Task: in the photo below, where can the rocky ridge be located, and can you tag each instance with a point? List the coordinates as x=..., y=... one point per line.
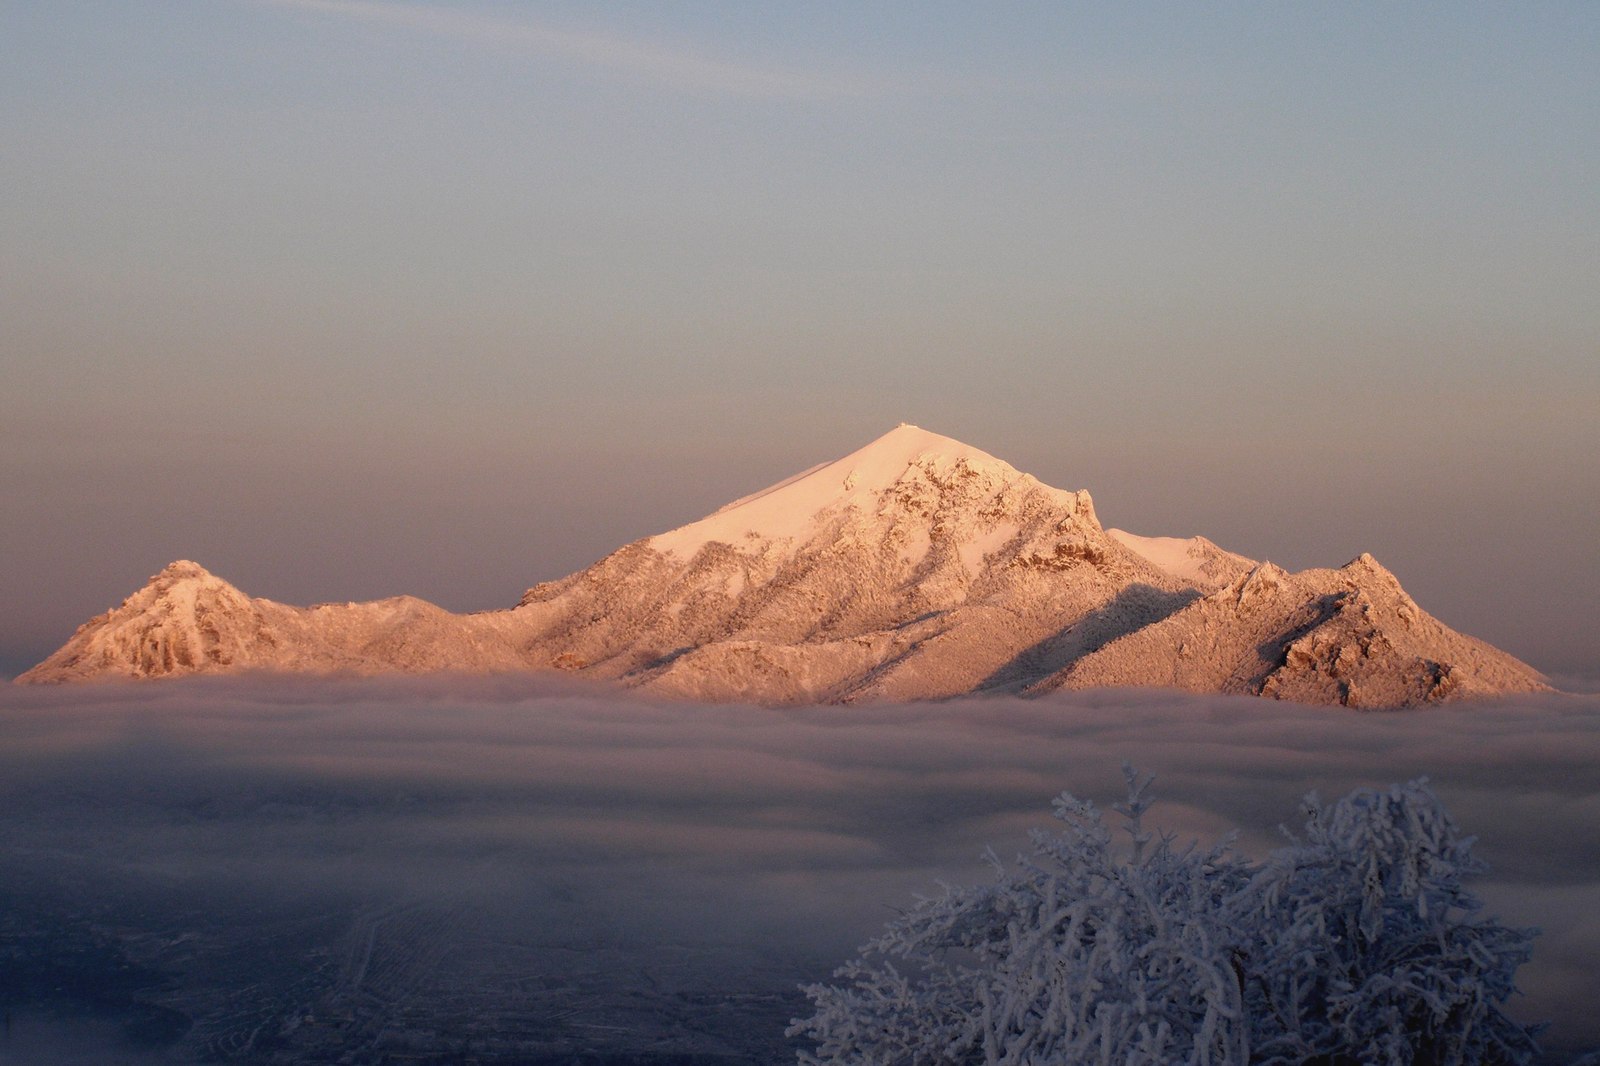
x=915, y=568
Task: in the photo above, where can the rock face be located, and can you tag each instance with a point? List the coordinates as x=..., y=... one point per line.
x=1349, y=636
x=915, y=568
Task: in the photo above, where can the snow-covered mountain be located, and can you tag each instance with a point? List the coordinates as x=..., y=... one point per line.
x=915, y=568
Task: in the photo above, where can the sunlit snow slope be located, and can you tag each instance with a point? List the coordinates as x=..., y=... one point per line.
x=917, y=567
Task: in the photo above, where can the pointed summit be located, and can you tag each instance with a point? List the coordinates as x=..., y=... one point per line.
x=180, y=572
x=906, y=443
x=793, y=508
x=182, y=568
x=180, y=622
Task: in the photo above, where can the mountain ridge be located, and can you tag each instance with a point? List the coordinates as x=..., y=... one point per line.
x=916, y=567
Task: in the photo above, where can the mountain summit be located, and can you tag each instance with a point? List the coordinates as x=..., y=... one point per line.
x=792, y=506
x=917, y=567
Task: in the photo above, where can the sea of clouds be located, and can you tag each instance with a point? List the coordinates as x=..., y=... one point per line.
x=706, y=848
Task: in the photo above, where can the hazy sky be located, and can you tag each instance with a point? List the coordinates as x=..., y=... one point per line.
x=346, y=298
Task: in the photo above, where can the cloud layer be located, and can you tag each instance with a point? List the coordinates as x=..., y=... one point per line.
x=674, y=851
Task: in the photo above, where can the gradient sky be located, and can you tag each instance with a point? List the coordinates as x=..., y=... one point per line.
x=344, y=299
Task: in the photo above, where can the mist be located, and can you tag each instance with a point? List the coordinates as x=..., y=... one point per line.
x=289, y=870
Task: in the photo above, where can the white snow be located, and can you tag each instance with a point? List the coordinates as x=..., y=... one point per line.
x=1182, y=557
x=974, y=551
x=791, y=508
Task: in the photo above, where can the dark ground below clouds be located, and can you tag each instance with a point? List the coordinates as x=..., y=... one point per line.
x=497, y=872
x=374, y=983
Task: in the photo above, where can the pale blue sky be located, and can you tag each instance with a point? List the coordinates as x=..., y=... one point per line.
x=347, y=298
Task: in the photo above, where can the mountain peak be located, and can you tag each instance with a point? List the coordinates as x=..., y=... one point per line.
x=186, y=579
x=181, y=570
x=905, y=445
x=1367, y=564
x=790, y=508
x=907, y=436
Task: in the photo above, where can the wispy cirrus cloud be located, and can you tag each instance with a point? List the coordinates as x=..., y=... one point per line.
x=672, y=66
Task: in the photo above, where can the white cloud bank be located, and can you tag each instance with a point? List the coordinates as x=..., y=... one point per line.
x=727, y=848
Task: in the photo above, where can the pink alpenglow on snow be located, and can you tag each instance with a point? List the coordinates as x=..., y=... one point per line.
x=915, y=568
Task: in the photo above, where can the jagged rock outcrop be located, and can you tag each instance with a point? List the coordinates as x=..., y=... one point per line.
x=1349, y=636
x=915, y=568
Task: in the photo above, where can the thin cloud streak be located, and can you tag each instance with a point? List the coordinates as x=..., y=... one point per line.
x=669, y=67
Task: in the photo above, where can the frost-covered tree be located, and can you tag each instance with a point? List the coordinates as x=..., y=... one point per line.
x=1366, y=948
x=1356, y=944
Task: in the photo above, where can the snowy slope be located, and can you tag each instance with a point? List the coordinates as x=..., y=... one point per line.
x=916, y=567
x=796, y=508
x=1350, y=636
x=1192, y=559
